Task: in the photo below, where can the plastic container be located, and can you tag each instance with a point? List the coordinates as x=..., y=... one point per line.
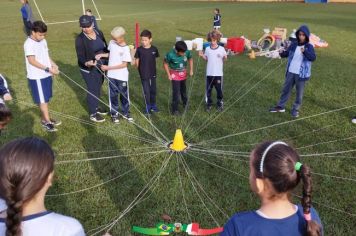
x=189, y=44
x=237, y=45
x=198, y=44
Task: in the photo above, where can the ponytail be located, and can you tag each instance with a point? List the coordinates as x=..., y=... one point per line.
x=313, y=228
x=14, y=218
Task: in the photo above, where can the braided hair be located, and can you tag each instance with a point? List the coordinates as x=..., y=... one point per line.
x=25, y=165
x=279, y=163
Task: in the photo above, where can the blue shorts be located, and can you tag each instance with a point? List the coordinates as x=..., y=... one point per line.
x=41, y=90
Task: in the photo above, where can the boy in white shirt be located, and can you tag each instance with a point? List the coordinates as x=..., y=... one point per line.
x=40, y=69
x=215, y=56
x=118, y=74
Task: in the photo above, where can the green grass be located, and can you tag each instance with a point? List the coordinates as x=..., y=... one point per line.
x=332, y=86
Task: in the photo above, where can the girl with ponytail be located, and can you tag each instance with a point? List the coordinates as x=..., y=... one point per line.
x=26, y=173
x=275, y=171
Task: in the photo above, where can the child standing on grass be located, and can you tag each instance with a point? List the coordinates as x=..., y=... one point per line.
x=40, y=69
x=275, y=171
x=300, y=57
x=215, y=55
x=118, y=74
x=145, y=57
x=88, y=12
x=26, y=174
x=175, y=64
x=5, y=113
x=217, y=19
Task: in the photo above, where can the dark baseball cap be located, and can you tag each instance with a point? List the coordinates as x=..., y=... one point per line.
x=85, y=21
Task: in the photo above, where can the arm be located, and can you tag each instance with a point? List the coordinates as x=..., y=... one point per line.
x=309, y=53
x=191, y=73
x=166, y=68
x=80, y=49
x=101, y=55
x=137, y=62
x=32, y=60
x=202, y=55
x=29, y=12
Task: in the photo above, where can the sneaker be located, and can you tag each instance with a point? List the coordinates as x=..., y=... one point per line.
x=354, y=120
x=115, y=119
x=97, y=118
x=48, y=126
x=220, y=108
x=154, y=108
x=295, y=114
x=128, y=118
x=277, y=109
x=56, y=122
x=208, y=108
x=101, y=111
x=147, y=112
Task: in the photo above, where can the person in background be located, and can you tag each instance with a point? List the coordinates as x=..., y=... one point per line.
x=217, y=19
x=175, y=64
x=300, y=56
x=88, y=12
x=275, y=173
x=40, y=70
x=27, y=16
x=89, y=43
x=215, y=55
x=118, y=74
x=26, y=174
x=145, y=60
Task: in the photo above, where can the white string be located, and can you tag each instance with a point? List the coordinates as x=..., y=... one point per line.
x=211, y=163
x=333, y=176
x=137, y=199
x=107, y=157
x=133, y=105
x=196, y=191
x=218, y=152
x=91, y=124
x=327, y=153
x=327, y=206
x=143, y=129
x=103, y=183
x=209, y=121
x=262, y=68
x=190, y=93
x=224, y=157
x=202, y=189
x=275, y=125
x=332, y=141
x=181, y=186
x=101, y=151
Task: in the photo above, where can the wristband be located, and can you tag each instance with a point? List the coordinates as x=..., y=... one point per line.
x=47, y=69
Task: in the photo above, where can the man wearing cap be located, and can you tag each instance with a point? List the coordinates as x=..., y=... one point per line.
x=88, y=44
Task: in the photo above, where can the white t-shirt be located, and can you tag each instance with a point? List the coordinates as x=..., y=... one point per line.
x=3, y=206
x=215, y=61
x=40, y=51
x=296, y=62
x=118, y=55
x=48, y=224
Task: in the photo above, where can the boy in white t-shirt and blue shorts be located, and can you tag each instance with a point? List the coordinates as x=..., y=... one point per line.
x=215, y=56
x=40, y=69
x=118, y=75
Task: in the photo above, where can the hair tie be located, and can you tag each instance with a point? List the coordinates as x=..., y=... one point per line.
x=267, y=150
x=307, y=217
x=298, y=166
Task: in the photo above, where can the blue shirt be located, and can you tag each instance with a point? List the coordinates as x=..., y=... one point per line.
x=250, y=223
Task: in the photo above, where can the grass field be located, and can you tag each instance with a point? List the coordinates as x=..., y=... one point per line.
x=108, y=186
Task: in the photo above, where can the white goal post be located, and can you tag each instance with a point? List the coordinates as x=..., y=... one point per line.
x=69, y=21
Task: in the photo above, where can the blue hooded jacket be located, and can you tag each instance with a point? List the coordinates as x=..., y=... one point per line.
x=309, y=54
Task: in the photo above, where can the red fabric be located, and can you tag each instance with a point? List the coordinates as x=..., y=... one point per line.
x=178, y=75
x=236, y=44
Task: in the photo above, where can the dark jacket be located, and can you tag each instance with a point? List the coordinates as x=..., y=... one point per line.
x=309, y=54
x=84, y=51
